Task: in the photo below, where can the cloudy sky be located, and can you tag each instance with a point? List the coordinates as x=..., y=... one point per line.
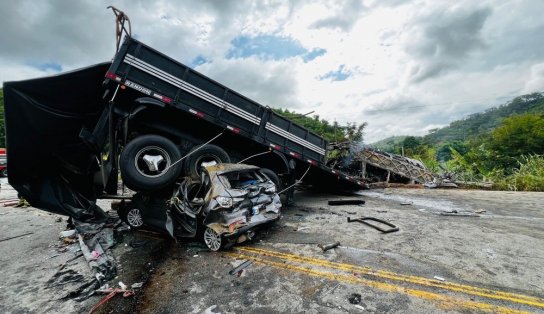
x=402, y=66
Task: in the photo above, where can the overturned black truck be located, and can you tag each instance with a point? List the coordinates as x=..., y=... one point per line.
x=153, y=122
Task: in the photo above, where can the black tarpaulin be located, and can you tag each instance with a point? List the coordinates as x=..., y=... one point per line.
x=49, y=165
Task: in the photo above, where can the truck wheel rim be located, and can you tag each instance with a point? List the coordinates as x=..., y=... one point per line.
x=204, y=159
x=134, y=218
x=212, y=239
x=154, y=151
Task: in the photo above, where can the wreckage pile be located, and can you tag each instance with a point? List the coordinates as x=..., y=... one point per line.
x=373, y=165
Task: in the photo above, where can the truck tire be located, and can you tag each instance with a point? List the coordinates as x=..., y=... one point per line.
x=273, y=177
x=208, y=153
x=146, y=163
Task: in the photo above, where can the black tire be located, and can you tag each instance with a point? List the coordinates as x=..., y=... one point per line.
x=138, y=175
x=208, y=153
x=4, y=172
x=273, y=177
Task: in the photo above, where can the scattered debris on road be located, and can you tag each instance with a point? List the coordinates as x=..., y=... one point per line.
x=111, y=293
x=458, y=214
x=346, y=202
x=237, y=271
x=357, y=306
x=439, y=278
x=354, y=298
x=68, y=234
x=364, y=220
x=326, y=247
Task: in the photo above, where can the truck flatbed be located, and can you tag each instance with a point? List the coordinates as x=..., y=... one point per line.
x=154, y=74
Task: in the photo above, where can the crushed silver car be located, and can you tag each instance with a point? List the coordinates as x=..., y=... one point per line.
x=225, y=206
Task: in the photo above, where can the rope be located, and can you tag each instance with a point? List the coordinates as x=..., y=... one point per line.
x=259, y=154
x=298, y=181
x=120, y=19
x=194, y=151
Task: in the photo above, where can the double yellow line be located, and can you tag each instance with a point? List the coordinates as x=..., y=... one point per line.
x=307, y=266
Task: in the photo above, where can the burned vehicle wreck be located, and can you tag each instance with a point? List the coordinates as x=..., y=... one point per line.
x=223, y=207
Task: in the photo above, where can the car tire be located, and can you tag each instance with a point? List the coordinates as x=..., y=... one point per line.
x=146, y=163
x=273, y=177
x=208, y=153
x=213, y=240
x=4, y=172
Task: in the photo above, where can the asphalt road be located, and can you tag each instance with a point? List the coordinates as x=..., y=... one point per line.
x=456, y=251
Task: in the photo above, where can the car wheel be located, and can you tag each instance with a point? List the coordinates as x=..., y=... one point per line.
x=207, y=155
x=4, y=172
x=212, y=239
x=147, y=163
x=273, y=177
x=133, y=217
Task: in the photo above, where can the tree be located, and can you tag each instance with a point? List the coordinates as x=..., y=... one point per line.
x=411, y=145
x=334, y=132
x=516, y=136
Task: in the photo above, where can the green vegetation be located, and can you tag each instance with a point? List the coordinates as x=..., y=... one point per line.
x=504, y=145
x=331, y=132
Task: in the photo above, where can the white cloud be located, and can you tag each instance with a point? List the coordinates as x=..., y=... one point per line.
x=536, y=81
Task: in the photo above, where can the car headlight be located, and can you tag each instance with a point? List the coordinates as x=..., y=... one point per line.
x=225, y=202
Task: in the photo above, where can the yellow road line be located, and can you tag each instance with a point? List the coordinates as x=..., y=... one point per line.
x=445, y=302
x=477, y=291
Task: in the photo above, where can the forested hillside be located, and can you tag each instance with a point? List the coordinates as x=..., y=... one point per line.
x=480, y=123
x=503, y=144
x=474, y=125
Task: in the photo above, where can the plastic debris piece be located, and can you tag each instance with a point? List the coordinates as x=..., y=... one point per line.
x=357, y=306
x=210, y=310
x=68, y=234
x=122, y=285
x=137, y=285
x=439, y=278
x=354, y=298
x=238, y=269
x=95, y=255
x=326, y=247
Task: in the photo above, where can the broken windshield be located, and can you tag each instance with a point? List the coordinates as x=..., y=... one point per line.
x=238, y=180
